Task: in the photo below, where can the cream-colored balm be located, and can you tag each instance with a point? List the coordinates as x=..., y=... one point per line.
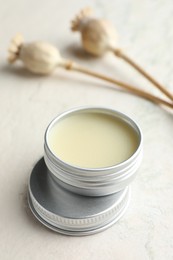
x=92, y=140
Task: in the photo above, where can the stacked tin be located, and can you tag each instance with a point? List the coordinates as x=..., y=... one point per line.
x=82, y=201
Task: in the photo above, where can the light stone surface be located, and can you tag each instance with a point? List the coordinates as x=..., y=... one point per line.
x=28, y=103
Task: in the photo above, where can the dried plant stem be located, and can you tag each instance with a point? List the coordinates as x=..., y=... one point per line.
x=120, y=54
x=75, y=67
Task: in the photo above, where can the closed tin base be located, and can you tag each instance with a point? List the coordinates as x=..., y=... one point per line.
x=69, y=213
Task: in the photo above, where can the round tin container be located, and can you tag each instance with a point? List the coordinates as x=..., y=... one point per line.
x=96, y=181
x=69, y=213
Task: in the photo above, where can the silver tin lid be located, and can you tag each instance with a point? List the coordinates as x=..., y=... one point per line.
x=69, y=213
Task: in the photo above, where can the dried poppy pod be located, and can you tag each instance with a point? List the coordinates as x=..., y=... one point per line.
x=43, y=58
x=38, y=57
x=98, y=37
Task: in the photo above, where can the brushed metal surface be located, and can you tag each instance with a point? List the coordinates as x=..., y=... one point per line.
x=70, y=213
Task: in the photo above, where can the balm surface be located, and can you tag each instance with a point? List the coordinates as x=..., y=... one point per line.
x=92, y=140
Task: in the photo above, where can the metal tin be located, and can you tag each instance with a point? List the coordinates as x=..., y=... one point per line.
x=88, y=181
x=69, y=213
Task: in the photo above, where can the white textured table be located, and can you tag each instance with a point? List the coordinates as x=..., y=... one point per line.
x=28, y=103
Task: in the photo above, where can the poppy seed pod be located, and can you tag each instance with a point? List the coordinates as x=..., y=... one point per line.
x=38, y=57
x=98, y=35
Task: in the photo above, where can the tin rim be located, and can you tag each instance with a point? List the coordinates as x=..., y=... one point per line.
x=104, y=110
x=77, y=233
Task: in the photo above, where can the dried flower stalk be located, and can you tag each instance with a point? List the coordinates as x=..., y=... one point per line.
x=98, y=37
x=43, y=58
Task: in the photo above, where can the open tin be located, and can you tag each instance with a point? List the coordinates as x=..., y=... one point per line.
x=94, y=181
